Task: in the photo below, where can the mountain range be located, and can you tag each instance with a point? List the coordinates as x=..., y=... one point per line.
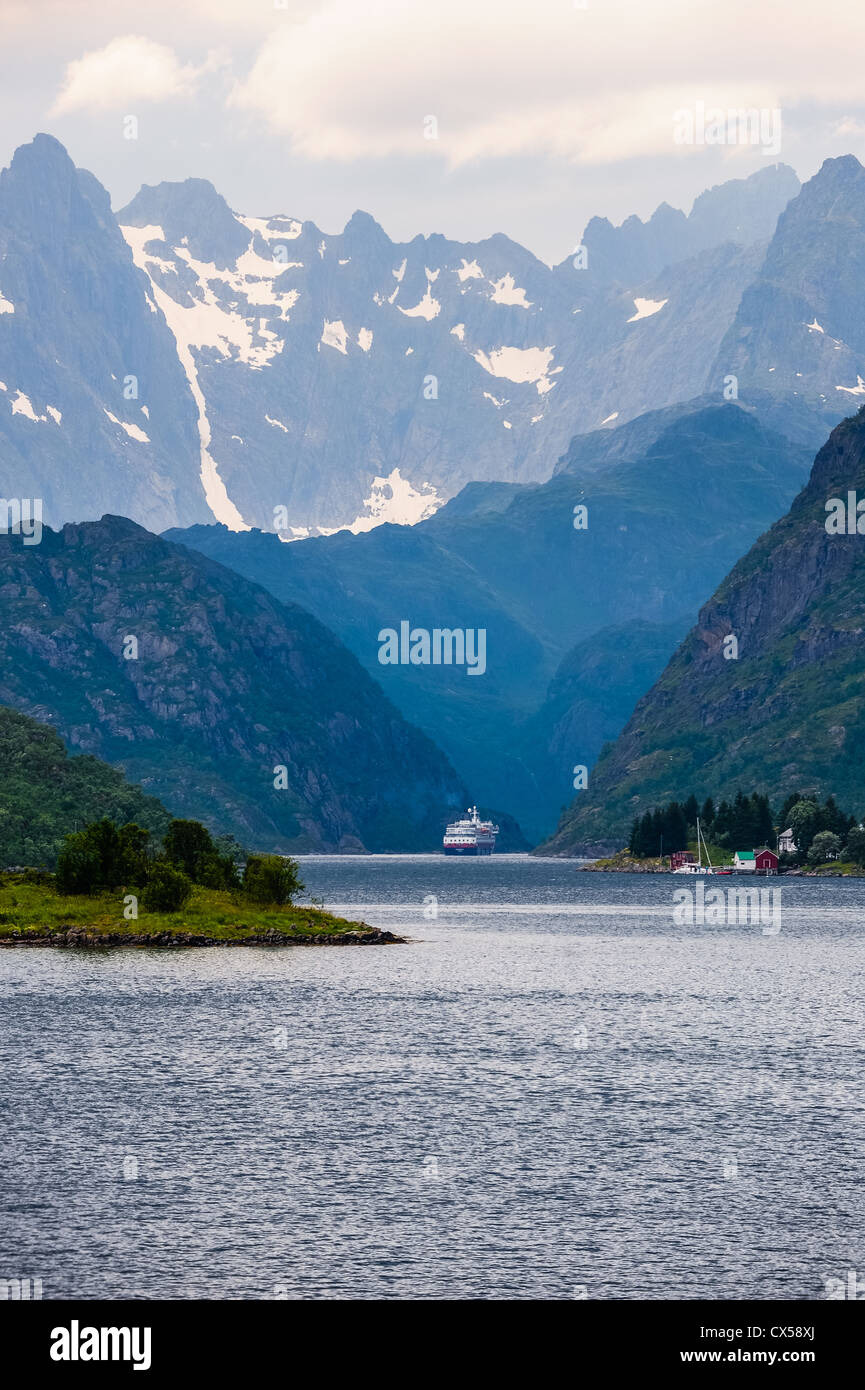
x=672, y=500
x=254, y=370
x=583, y=452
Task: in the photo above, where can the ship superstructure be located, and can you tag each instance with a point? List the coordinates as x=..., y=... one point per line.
x=470, y=835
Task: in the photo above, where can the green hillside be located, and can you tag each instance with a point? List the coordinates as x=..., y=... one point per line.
x=789, y=713
x=45, y=793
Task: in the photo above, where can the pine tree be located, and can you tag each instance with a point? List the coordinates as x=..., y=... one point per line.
x=633, y=844
x=644, y=839
x=675, y=828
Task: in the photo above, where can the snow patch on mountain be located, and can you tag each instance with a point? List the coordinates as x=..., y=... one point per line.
x=470, y=270
x=520, y=364
x=505, y=291
x=191, y=328
x=333, y=334
x=132, y=430
x=857, y=390
x=646, y=308
x=22, y=405
x=394, y=499
x=277, y=424
x=428, y=308
x=6, y=305
x=364, y=339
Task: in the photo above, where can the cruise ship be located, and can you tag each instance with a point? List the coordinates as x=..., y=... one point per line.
x=471, y=835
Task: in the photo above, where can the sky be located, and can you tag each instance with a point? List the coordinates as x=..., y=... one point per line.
x=465, y=117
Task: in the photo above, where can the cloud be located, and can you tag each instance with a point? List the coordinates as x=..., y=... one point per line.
x=127, y=70
x=505, y=79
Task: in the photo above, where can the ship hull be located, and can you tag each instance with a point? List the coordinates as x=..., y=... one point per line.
x=470, y=850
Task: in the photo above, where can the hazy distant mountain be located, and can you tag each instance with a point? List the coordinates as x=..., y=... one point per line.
x=801, y=323
x=201, y=686
x=76, y=326
x=744, y=211
x=261, y=372
x=789, y=713
x=667, y=517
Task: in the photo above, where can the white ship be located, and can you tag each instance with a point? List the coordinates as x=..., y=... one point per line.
x=471, y=835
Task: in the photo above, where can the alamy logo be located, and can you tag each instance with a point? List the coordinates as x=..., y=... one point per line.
x=845, y=518
x=443, y=646
x=735, y=907
x=76, y=1343
x=737, y=126
x=23, y=517
x=851, y=1287
x=20, y=1289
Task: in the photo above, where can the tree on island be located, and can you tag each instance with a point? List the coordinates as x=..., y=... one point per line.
x=101, y=858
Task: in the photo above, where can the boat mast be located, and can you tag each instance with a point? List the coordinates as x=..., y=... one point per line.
x=705, y=846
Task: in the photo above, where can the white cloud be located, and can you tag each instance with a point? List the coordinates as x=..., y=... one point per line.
x=127, y=70
x=349, y=81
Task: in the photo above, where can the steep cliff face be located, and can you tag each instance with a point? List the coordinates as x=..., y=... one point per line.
x=800, y=325
x=789, y=712
x=200, y=685
x=95, y=409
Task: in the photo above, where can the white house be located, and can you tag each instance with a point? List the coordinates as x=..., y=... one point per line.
x=786, y=843
x=743, y=861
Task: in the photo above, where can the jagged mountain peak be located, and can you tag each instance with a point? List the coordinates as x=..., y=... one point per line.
x=44, y=153
x=44, y=196
x=191, y=212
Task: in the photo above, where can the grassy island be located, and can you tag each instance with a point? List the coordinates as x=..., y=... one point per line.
x=110, y=886
x=32, y=913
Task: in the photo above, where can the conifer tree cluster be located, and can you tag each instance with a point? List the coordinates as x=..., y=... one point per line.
x=746, y=822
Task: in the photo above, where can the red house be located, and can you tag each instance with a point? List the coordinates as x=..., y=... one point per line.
x=680, y=857
x=765, y=862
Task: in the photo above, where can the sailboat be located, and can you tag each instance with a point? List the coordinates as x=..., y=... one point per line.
x=700, y=867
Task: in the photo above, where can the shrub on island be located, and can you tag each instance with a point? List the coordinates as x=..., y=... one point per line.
x=167, y=889
x=268, y=878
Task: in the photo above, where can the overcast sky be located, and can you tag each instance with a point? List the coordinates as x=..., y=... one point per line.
x=465, y=117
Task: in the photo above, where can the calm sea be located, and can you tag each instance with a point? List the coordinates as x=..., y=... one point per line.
x=553, y=1092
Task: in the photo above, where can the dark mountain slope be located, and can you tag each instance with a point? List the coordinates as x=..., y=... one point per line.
x=228, y=684
x=789, y=714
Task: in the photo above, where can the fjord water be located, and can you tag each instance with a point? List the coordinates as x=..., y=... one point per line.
x=552, y=1092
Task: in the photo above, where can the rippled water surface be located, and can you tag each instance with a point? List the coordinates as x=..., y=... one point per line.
x=552, y=1089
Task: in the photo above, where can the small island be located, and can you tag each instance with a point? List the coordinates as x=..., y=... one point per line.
x=110, y=889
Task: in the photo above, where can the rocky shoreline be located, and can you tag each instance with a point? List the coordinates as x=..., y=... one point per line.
x=78, y=937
